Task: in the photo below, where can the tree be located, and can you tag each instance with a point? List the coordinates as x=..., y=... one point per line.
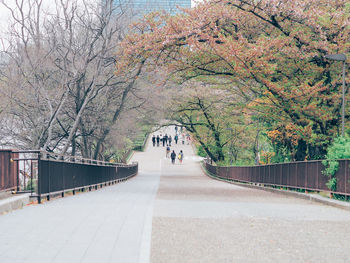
x=59, y=75
x=273, y=50
x=209, y=115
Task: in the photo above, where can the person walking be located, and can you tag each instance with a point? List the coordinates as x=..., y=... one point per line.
x=167, y=152
x=176, y=138
x=176, y=129
x=183, y=138
x=169, y=140
x=181, y=156
x=173, y=157
x=188, y=138
x=158, y=139
x=165, y=140
x=154, y=140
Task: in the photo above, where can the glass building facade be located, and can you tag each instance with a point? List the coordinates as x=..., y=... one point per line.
x=142, y=7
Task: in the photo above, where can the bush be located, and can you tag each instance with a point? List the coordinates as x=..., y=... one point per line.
x=31, y=187
x=201, y=152
x=339, y=149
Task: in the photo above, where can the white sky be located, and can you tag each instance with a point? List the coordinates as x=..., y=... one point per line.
x=5, y=13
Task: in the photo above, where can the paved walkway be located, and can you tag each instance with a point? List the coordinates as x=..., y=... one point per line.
x=174, y=213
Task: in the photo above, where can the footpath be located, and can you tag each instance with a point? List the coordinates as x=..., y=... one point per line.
x=175, y=213
x=198, y=219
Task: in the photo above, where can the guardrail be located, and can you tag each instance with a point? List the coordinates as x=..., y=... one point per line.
x=44, y=174
x=298, y=175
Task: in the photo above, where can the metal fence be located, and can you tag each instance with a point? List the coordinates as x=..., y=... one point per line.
x=8, y=171
x=299, y=175
x=44, y=174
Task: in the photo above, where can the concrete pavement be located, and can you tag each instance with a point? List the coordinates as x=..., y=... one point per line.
x=198, y=219
x=175, y=213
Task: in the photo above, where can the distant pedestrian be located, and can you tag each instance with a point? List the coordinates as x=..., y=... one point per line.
x=161, y=139
x=173, y=157
x=176, y=129
x=158, y=139
x=167, y=152
x=176, y=138
x=165, y=140
x=181, y=156
x=188, y=137
x=154, y=140
x=169, y=140
x=183, y=138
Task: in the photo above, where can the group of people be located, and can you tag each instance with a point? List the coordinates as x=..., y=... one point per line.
x=166, y=141
x=173, y=155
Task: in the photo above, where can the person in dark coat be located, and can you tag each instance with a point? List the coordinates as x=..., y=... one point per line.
x=173, y=157
x=165, y=140
x=167, y=152
x=158, y=139
x=176, y=138
x=169, y=140
x=154, y=140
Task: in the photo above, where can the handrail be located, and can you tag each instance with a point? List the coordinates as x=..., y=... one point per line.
x=44, y=155
x=306, y=175
x=271, y=164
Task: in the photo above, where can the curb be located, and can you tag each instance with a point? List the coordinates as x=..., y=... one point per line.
x=311, y=197
x=13, y=203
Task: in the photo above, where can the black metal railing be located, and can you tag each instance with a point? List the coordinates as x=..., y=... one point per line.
x=44, y=174
x=298, y=175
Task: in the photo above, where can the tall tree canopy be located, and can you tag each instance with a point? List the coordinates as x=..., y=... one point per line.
x=57, y=77
x=270, y=52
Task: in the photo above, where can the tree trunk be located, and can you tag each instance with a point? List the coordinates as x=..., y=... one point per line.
x=301, y=150
x=117, y=111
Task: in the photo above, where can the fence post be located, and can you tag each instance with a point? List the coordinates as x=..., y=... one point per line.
x=318, y=174
x=17, y=172
x=296, y=174
x=31, y=177
x=39, y=177
x=281, y=174
x=345, y=176
x=306, y=166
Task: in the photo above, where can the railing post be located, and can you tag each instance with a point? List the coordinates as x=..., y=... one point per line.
x=61, y=158
x=24, y=175
x=288, y=178
x=306, y=166
x=31, y=177
x=39, y=177
x=296, y=174
x=346, y=165
x=17, y=172
x=317, y=169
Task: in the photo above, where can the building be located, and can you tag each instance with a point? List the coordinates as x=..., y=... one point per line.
x=142, y=7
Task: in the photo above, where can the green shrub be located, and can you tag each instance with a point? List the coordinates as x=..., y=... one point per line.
x=339, y=149
x=332, y=184
x=201, y=152
x=31, y=186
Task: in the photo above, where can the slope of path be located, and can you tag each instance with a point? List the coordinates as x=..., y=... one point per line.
x=107, y=225
x=197, y=219
x=174, y=213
